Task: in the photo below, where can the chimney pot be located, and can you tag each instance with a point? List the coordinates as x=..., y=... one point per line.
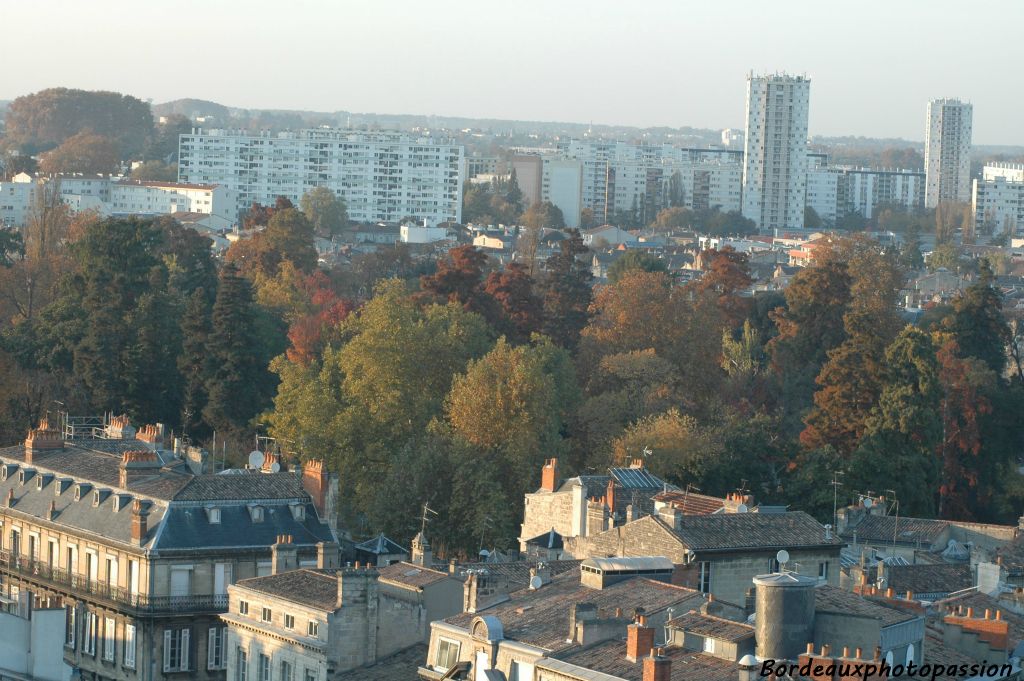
x=878, y=653
x=810, y=648
x=910, y=595
x=988, y=613
x=970, y=612
x=889, y=592
x=639, y=639
x=858, y=653
x=846, y=652
x=999, y=614
x=826, y=650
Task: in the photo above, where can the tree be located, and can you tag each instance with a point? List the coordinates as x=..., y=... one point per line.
x=459, y=279
x=85, y=153
x=903, y=432
x=522, y=310
x=635, y=260
x=673, y=218
x=12, y=246
x=237, y=388
x=155, y=170
x=978, y=324
x=726, y=277
x=46, y=119
x=163, y=145
x=543, y=215
x=193, y=363
x=949, y=217
x=325, y=210
x=513, y=194
x=945, y=256
x=287, y=238
x=811, y=218
x=566, y=293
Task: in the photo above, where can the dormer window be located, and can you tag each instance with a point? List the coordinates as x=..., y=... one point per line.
x=81, y=489
x=25, y=475
x=298, y=512
x=121, y=501
x=213, y=515
x=256, y=514
x=60, y=486
x=96, y=498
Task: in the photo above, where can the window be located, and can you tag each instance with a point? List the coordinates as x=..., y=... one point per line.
x=243, y=607
x=129, y=646
x=217, y=637
x=266, y=615
x=312, y=629
x=89, y=625
x=242, y=665
x=447, y=654
x=823, y=571
x=176, y=650
x=289, y=622
x=287, y=671
x=705, y=576
x=70, y=622
x=310, y=675
x=709, y=645
x=263, y=668
x=109, y=630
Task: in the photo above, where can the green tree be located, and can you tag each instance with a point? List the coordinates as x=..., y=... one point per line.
x=946, y=256
x=635, y=260
x=155, y=170
x=811, y=218
x=193, y=363
x=325, y=210
x=543, y=215
x=85, y=153
x=978, y=324
x=565, y=292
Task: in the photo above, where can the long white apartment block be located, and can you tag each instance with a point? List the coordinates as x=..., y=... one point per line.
x=997, y=200
x=947, y=151
x=775, y=150
x=382, y=176
x=118, y=196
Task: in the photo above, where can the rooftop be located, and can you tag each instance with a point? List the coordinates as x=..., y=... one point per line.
x=541, y=617
x=831, y=599
x=889, y=529
x=712, y=627
x=735, y=531
x=411, y=575
x=314, y=588
x=610, y=658
x=927, y=578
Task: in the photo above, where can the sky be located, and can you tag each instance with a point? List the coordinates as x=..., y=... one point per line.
x=873, y=64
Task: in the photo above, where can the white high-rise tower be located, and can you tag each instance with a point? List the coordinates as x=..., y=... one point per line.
x=947, y=152
x=775, y=151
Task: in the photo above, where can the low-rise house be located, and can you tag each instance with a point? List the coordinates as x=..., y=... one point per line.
x=32, y=644
x=609, y=235
x=314, y=624
x=721, y=553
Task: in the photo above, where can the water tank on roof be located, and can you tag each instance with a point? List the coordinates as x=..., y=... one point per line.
x=785, y=615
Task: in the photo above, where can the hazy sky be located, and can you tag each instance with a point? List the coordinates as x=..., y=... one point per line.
x=873, y=64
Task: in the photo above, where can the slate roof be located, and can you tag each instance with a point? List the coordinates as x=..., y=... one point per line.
x=712, y=627
x=937, y=652
x=517, y=572
x=548, y=540
x=398, y=667
x=306, y=586
x=831, y=599
x=409, y=574
x=380, y=546
x=251, y=486
x=761, y=531
x=937, y=578
x=541, y=617
x=1012, y=555
x=186, y=528
x=636, y=478
x=883, y=529
x=610, y=658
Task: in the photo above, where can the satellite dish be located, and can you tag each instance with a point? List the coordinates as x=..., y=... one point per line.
x=536, y=582
x=742, y=508
x=868, y=502
x=275, y=467
x=782, y=557
x=255, y=458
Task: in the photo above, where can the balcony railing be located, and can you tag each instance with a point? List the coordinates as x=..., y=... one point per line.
x=82, y=587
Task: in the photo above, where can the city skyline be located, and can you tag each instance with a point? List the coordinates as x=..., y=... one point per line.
x=704, y=55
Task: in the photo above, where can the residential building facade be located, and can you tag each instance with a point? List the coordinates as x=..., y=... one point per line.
x=775, y=150
x=382, y=176
x=947, y=151
x=138, y=549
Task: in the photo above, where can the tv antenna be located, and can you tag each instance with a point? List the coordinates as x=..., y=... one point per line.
x=425, y=518
x=647, y=451
x=835, y=498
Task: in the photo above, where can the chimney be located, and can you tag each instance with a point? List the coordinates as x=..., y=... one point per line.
x=10, y=498
x=357, y=587
x=151, y=433
x=671, y=516
x=51, y=513
x=470, y=590
x=610, y=496
x=42, y=438
x=579, y=614
x=549, y=475
x=543, y=571
x=657, y=667
x=421, y=553
x=139, y=524
x=283, y=555
x=639, y=640
x=327, y=555
x=314, y=481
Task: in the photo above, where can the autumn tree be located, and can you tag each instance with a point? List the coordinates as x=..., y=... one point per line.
x=543, y=215
x=459, y=279
x=155, y=170
x=521, y=308
x=325, y=210
x=565, y=292
x=726, y=277
x=86, y=153
x=635, y=260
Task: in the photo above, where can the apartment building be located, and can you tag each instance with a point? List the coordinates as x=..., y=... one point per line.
x=836, y=191
x=562, y=186
x=997, y=200
x=775, y=150
x=382, y=176
x=947, y=151
x=138, y=546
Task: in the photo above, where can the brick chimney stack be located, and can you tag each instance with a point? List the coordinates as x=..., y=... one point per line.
x=43, y=438
x=639, y=640
x=283, y=555
x=314, y=480
x=139, y=524
x=657, y=667
x=549, y=475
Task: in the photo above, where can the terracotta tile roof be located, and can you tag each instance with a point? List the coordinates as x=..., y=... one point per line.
x=883, y=529
x=409, y=574
x=610, y=658
x=937, y=652
x=313, y=588
x=712, y=627
x=831, y=599
x=518, y=571
x=1012, y=555
x=541, y=617
x=733, y=531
